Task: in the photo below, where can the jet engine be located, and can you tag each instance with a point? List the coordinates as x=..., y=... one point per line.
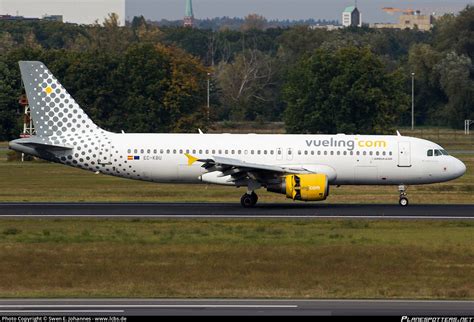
x=305, y=187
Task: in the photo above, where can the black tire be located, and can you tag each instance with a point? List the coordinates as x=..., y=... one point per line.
x=403, y=201
x=254, y=198
x=247, y=201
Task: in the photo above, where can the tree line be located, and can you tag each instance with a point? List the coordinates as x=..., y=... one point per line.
x=149, y=78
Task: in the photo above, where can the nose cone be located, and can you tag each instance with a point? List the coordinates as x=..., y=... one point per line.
x=459, y=168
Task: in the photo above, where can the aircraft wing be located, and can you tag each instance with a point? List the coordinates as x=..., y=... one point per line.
x=241, y=171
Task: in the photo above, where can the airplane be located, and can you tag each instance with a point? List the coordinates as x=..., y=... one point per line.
x=302, y=167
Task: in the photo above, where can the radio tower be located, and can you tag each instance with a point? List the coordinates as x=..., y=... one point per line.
x=189, y=15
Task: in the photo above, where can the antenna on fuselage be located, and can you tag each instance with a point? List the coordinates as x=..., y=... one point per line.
x=398, y=133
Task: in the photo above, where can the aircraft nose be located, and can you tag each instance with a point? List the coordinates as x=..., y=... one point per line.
x=459, y=168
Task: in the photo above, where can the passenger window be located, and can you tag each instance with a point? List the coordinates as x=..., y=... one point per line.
x=161, y=151
x=258, y=151
x=135, y=151
x=271, y=152
x=325, y=152
x=207, y=151
x=371, y=153
x=358, y=153
x=226, y=151
x=142, y=151
x=332, y=152
x=345, y=152
x=430, y=153
x=155, y=151
x=383, y=153
x=312, y=152
x=167, y=151
x=352, y=152
x=232, y=152
x=306, y=152
x=251, y=151
x=265, y=152
x=194, y=151
x=338, y=152
x=174, y=151
x=200, y=151
x=180, y=151
x=148, y=151
x=319, y=152
x=240, y=151
x=213, y=151
x=299, y=152
x=129, y=151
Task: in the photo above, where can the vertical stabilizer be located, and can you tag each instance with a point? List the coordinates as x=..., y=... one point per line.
x=55, y=113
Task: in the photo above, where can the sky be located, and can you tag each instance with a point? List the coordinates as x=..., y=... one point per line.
x=271, y=9
x=286, y=9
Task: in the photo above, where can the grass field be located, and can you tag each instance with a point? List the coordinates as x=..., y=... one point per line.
x=264, y=259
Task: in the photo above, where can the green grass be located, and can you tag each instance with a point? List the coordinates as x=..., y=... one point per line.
x=239, y=259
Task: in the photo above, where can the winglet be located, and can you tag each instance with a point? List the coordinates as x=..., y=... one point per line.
x=191, y=159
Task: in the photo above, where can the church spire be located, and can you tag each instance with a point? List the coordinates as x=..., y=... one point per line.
x=189, y=15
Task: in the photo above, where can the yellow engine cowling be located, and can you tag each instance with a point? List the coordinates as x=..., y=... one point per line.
x=305, y=187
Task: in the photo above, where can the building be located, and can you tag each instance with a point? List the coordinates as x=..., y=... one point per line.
x=189, y=14
x=410, y=19
x=351, y=17
x=58, y=18
x=72, y=11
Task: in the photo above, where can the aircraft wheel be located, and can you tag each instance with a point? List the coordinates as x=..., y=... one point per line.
x=248, y=201
x=403, y=201
x=254, y=198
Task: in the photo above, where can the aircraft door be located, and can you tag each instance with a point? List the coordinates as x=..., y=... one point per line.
x=404, y=154
x=104, y=151
x=289, y=154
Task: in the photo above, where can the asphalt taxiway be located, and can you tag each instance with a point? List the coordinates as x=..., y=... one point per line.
x=234, y=210
x=133, y=307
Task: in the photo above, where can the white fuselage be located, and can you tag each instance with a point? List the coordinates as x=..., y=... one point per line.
x=346, y=159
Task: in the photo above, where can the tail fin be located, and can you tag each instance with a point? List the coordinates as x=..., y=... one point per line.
x=55, y=113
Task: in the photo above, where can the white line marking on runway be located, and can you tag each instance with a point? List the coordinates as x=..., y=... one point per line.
x=15, y=306
x=239, y=216
x=62, y=311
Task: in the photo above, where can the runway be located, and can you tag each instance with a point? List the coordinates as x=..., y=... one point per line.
x=133, y=307
x=234, y=210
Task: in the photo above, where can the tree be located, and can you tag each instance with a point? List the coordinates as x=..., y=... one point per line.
x=254, y=21
x=429, y=97
x=246, y=86
x=343, y=91
x=454, y=76
x=456, y=33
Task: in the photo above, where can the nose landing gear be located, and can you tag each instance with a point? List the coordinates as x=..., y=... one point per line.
x=249, y=200
x=403, y=195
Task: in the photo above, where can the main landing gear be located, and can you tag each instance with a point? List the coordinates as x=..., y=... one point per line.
x=249, y=200
x=403, y=196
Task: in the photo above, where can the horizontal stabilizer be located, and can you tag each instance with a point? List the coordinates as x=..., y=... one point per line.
x=39, y=144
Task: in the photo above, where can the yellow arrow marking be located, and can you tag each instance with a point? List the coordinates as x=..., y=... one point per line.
x=191, y=159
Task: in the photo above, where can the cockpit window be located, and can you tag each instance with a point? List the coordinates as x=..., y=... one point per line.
x=430, y=153
x=437, y=153
x=444, y=152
